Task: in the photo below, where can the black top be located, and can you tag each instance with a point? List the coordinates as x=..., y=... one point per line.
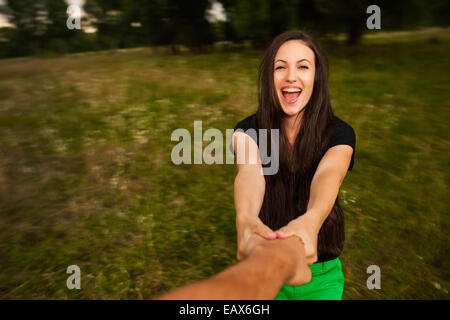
x=343, y=134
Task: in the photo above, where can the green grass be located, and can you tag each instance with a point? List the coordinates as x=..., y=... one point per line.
x=86, y=176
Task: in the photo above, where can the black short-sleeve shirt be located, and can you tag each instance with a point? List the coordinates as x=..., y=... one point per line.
x=343, y=134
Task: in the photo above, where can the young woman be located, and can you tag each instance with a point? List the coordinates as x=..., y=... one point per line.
x=316, y=149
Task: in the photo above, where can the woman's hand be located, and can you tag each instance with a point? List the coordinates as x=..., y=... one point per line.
x=306, y=228
x=250, y=232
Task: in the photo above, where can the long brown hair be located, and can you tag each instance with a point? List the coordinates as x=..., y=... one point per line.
x=287, y=192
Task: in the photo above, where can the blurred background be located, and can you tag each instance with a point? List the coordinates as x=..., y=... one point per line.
x=86, y=117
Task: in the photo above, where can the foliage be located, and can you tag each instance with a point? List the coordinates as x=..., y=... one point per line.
x=40, y=25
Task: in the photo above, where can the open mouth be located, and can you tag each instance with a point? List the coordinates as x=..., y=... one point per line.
x=290, y=95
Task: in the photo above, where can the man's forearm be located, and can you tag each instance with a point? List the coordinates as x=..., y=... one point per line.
x=259, y=276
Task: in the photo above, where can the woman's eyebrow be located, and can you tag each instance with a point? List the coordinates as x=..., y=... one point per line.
x=297, y=61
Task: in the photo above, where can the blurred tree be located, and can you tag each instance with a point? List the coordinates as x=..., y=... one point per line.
x=41, y=24
x=189, y=24
x=350, y=17
x=106, y=19
x=160, y=22
x=439, y=13
x=57, y=36
x=260, y=20
x=229, y=31
x=347, y=16
x=28, y=17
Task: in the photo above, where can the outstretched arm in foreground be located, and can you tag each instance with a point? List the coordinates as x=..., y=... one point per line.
x=259, y=276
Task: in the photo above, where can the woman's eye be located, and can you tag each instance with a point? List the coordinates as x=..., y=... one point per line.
x=301, y=67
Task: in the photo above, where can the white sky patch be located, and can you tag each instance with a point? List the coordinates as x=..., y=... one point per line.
x=4, y=22
x=216, y=13
x=80, y=4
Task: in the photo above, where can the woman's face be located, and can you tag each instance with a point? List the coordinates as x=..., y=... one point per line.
x=294, y=72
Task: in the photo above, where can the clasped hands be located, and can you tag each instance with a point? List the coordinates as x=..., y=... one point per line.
x=252, y=232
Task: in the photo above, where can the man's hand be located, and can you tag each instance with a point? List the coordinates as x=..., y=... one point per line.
x=302, y=273
x=291, y=252
x=250, y=232
x=305, y=228
x=260, y=237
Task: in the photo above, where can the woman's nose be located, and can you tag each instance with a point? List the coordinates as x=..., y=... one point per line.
x=291, y=76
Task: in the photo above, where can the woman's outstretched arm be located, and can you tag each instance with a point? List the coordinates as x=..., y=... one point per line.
x=325, y=186
x=258, y=277
x=327, y=180
x=249, y=189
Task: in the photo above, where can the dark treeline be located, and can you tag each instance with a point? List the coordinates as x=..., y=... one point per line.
x=39, y=26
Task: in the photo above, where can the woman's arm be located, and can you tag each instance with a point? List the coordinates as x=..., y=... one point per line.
x=326, y=182
x=249, y=188
x=325, y=186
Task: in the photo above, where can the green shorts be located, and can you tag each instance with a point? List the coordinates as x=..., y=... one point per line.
x=327, y=283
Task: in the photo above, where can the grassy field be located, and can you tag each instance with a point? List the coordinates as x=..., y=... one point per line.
x=86, y=176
